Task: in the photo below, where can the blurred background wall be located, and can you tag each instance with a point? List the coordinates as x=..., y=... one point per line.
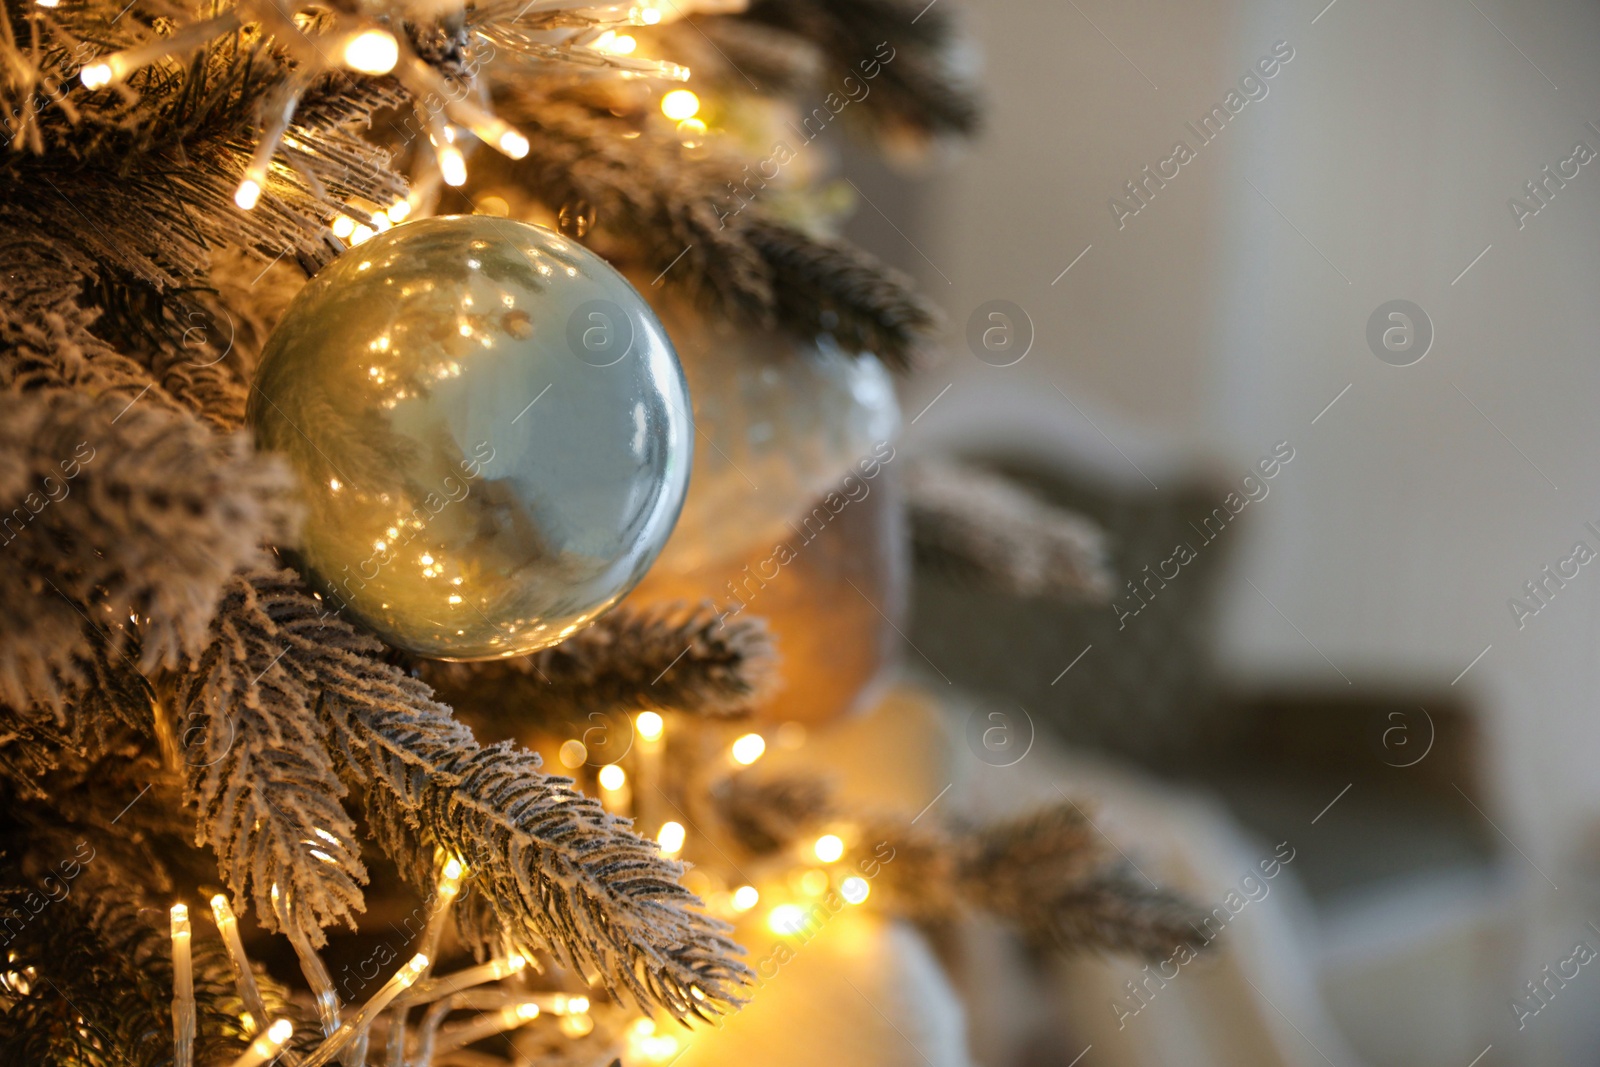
x=1227, y=315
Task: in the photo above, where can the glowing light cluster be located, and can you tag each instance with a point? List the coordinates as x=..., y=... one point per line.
x=613, y=43
x=748, y=749
x=647, y=1045
x=786, y=920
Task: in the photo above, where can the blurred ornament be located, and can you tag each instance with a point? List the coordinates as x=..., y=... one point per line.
x=780, y=422
x=491, y=429
x=831, y=589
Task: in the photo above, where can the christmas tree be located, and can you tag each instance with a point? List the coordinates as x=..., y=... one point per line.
x=224, y=765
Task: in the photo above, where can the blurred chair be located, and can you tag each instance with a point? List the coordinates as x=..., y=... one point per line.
x=1389, y=937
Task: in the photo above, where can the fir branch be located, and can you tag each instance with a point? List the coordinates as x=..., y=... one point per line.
x=46, y=341
x=125, y=811
x=977, y=525
x=94, y=988
x=821, y=285
x=261, y=774
x=1049, y=873
x=916, y=90
x=552, y=867
x=669, y=657
x=1118, y=911
x=725, y=52
x=677, y=216
x=122, y=522
x=30, y=747
x=110, y=702
x=767, y=815
x=663, y=206
x=157, y=221
x=123, y=197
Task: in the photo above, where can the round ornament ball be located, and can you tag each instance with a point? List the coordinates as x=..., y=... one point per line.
x=492, y=432
x=782, y=422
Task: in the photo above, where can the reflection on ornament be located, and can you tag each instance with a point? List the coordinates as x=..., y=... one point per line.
x=779, y=423
x=691, y=133
x=576, y=218
x=492, y=433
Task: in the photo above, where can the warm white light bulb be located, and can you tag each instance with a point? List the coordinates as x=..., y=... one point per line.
x=828, y=848
x=372, y=52
x=680, y=104
x=452, y=165
x=786, y=919
x=854, y=889
x=749, y=748
x=612, y=777
x=513, y=144
x=96, y=75
x=650, y=724
x=614, y=43
x=746, y=897
x=248, y=194
x=343, y=226
x=671, y=838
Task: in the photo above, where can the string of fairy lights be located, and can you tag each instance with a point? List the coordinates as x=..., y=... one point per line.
x=805, y=876
x=370, y=48
x=497, y=1010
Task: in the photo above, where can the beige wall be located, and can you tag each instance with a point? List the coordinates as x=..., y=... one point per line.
x=1216, y=324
